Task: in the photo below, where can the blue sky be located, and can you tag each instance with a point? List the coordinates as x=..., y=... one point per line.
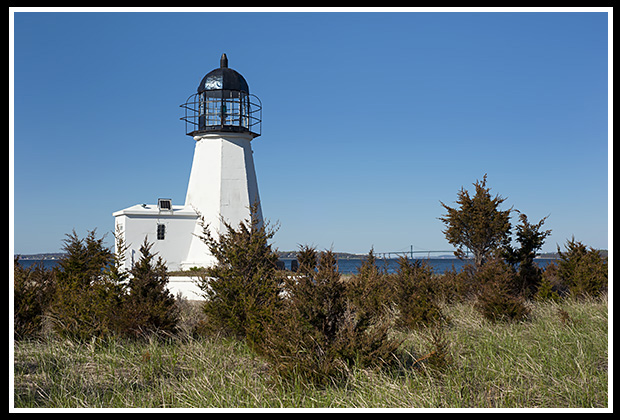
x=369, y=119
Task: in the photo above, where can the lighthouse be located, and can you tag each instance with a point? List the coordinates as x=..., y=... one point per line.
x=223, y=118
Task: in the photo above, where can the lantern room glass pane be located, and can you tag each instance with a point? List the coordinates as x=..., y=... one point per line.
x=223, y=108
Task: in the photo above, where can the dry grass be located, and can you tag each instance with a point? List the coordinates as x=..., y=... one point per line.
x=558, y=358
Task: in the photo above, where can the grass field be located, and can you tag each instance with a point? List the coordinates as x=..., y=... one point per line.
x=558, y=358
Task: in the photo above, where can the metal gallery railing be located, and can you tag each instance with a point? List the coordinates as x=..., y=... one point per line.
x=223, y=110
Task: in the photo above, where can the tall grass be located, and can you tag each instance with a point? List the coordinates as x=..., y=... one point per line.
x=557, y=358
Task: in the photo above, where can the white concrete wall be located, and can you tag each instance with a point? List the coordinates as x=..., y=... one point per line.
x=185, y=286
x=222, y=184
x=137, y=225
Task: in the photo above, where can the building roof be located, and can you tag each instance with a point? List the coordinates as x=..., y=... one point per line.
x=153, y=210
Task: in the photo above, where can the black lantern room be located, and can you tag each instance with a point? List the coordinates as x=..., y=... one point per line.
x=223, y=103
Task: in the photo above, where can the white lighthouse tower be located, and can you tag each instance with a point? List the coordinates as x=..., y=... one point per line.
x=223, y=118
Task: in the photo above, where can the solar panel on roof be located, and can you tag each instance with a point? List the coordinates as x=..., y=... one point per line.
x=164, y=204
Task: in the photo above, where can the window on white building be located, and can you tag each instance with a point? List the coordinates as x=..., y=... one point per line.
x=161, y=231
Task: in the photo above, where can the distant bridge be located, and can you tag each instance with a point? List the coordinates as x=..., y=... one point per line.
x=411, y=253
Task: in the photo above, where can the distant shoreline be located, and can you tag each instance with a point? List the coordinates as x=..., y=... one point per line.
x=293, y=255
x=41, y=256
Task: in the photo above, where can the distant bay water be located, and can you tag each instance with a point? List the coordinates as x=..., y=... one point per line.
x=439, y=265
x=348, y=265
x=47, y=263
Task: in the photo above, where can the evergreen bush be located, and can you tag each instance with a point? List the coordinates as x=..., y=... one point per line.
x=583, y=270
x=321, y=333
x=370, y=289
x=545, y=291
x=32, y=289
x=416, y=294
x=458, y=286
x=148, y=307
x=84, y=297
x=497, y=300
x=92, y=296
x=530, y=239
x=477, y=225
x=242, y=289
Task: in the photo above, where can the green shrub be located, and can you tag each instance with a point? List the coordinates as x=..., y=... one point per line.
x=320, y=333
x=93, y=297
x=458, y=286
x=415, y=295
x=242, y=289
x=148, y=307
x=497, y=300
x=530, y=238
x=370, y=289
x=583, y=270
x=83, y=296
x=32, y=288
x=545, y=291
x=477, y=225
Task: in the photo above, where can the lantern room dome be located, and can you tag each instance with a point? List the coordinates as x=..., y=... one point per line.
x=223, y=78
